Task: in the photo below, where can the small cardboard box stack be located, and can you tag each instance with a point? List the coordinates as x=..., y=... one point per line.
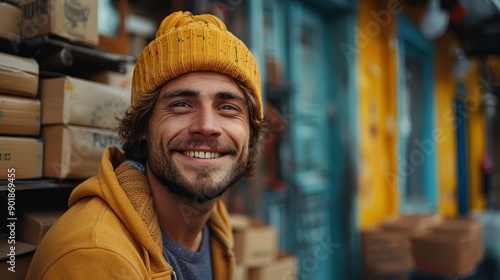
x=453, y=248
x=80, y=119
x=428, y=244
x=256, y=251
x=20, y=147
x=386, y=255
x=75, y=20
x=387, y=248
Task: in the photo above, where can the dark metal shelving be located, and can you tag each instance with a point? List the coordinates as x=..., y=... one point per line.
x=55, y=54
x=37, y=184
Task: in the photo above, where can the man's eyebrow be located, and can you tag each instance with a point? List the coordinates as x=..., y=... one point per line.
x=179, y=93
x=227, y=95
x=224, y=95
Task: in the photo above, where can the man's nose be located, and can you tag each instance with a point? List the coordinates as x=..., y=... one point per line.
x=206, y=123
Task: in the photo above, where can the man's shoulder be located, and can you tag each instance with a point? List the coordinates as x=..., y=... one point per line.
x=90, y=223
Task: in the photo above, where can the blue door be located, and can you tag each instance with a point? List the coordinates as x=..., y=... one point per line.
x=315, y=213
x=309, y=142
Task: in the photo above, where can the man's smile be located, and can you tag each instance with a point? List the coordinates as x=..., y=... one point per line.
x=202, y=154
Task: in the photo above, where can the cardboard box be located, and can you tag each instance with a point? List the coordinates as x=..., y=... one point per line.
x=241, y=272
x=68, y=100
x=10, y=25
x=23, y=254
x=19, y=75
x=75, y=20
x=453, y=247
x=283, y=267
x=34, y=224
x=255, y=243
x=465, y=228
x=13, y=2
x=410, y=225
x=19, y=115
x=23, y=154
x=74, y=152
x=116, y=79
x=386, y=253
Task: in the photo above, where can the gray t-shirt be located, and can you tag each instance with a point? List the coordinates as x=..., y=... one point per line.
x=189, y=265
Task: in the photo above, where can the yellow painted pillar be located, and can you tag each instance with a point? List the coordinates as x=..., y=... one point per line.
x=378, y=194
x=476, y=136
x=445, y=92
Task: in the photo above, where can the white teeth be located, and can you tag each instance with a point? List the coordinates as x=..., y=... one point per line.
x=204, y=155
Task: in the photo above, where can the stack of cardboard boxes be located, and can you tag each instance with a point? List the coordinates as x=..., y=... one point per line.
x=256, y=251
x=396, y=247
x=21, y=149
x=80, y=119
x=53, y=126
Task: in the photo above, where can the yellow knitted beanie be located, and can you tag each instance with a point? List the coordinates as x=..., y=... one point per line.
x=185, y=43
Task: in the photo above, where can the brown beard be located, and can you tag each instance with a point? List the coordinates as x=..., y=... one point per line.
x=168, y=173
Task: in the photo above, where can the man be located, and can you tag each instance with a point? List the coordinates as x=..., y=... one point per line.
x=191, y=132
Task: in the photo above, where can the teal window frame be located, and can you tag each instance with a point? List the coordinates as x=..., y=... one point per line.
x=411, y=41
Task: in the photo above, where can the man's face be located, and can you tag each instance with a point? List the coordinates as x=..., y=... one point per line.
x=198, y=135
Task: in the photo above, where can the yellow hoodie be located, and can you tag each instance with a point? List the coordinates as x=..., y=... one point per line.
x=111, y=231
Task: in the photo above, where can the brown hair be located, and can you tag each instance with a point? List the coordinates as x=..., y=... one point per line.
x=135, y=124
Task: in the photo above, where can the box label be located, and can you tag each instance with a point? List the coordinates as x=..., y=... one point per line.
x=72, y=19
x=36, y=8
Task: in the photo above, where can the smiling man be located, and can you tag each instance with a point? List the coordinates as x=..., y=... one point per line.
x=191, y=132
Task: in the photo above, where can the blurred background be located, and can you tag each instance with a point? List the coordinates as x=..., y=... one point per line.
x=383, y=157
x=380, y=109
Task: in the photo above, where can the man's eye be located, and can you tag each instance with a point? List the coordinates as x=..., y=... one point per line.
x=229, y=107
x=179, y=104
